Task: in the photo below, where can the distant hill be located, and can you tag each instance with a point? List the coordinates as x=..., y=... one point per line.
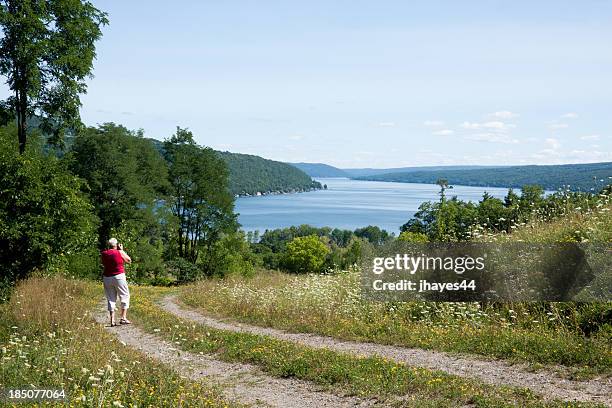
x=583, y=177
x=325, y=170
x=252, y=174
x=320, y=170
x=375, y=172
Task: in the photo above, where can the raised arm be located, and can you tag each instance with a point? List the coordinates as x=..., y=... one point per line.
x=126, y=258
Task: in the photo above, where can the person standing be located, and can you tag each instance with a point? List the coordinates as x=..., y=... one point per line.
x=115, y=283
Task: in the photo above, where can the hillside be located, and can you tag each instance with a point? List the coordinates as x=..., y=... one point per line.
x=252, y=174
x=325, y=170
x=579, y=177
x=320, y=170
x=364, y=172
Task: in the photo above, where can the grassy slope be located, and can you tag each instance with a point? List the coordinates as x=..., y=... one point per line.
x=49, y=340
x=371, y=377
x=331, y=305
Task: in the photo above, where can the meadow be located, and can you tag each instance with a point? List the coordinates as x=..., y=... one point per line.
x=575, y=339
x=48, y=339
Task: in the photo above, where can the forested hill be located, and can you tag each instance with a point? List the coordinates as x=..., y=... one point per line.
x=583, y=177
x=252, y=174
x=320, y=170
x=325, y=170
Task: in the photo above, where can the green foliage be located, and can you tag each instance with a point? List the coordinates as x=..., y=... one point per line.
x=200, y=199
x=126, y=176
x=46, y=53
x=578, y=177
x=446, y=220
x=374, y=235
x=348, y=256
x=454, y=220
x=44, y=217
x=415, y=237
x=142, y=239
x=231, y=255
x=305, y=254
x=252, y=174
x=347, y=248
x=249, y=174
x=183, y=270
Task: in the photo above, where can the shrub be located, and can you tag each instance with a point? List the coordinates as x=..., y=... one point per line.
x=183, y=270
x=305, y=254
x=414, y=237
x=44, y=218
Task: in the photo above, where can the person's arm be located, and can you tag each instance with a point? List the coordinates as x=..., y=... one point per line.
x=126, y=258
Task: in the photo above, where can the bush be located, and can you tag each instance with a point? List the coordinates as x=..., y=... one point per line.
x=414, y=237
x=183, y=270
x=44, y=217
x=305, y=254
x=230, y=254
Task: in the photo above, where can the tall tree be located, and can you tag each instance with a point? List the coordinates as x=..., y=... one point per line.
x=125, y=174
x=200, y=197
x=46, y=53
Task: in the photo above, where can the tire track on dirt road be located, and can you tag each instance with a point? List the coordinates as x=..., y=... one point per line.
x=495, y=372
x=242, y=383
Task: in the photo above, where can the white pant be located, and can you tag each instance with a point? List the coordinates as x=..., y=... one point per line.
x=113, y=286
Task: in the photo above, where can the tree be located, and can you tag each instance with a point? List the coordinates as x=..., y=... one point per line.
x=305, y=254
x=493, y=214
x=373, y=234
x=443, y=183
x=200, y=198
x=44, y=217
x=46, y=53
x=126, y=176
x=532, y=198
x=413, y=237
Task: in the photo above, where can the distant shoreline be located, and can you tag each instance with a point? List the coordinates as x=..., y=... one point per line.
x=277, y=192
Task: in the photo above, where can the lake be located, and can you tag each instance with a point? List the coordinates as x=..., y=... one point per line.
x=348, y=204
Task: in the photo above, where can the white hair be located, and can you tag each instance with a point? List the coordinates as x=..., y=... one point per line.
x=112, y=242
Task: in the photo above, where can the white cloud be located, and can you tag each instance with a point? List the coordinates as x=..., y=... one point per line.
x=444, y=132
x=296, y=137
x=557, y=126
x=504, y=115
x=386, y=124
x=433, y=123
x=493, y=125
x=570, y=115
x=553, y=143
x=553, y=156
x=492, y=138
x=590, y=137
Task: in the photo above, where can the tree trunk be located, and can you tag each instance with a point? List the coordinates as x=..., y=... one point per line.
x=22, y=117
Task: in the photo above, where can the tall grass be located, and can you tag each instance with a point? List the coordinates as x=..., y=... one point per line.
x=49, y=340
x=392, y=383
x=567, y=334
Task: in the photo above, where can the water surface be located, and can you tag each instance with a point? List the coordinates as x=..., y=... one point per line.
x=348, y=204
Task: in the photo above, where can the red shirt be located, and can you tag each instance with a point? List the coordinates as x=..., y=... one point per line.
x=113, y=262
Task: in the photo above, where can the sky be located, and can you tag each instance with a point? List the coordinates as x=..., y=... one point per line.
x=356, y=83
